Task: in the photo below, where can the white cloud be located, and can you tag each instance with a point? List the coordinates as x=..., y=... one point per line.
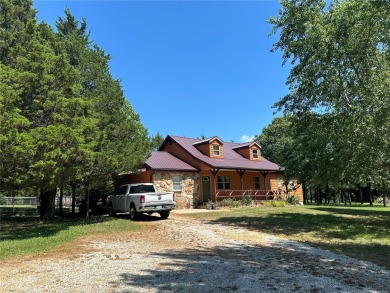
x=247, y=138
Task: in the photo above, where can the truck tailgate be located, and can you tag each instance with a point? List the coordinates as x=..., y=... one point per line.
x=158, y=198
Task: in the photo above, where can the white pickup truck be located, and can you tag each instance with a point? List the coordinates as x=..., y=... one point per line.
x=140, y=198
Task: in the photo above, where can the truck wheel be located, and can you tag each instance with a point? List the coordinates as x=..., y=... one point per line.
x=133, y=213
x=164, y=214
x=111, y=211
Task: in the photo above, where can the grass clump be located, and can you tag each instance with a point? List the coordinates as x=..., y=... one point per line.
x=273, y=203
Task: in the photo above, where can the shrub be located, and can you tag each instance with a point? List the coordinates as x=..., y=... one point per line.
x=246, y=200
x=292, y=199
x=229, y=202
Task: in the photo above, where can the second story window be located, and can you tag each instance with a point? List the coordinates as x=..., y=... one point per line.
x=216, y=150
x=255, y=154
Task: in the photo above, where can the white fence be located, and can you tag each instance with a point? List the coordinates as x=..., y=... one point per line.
x=19, y=201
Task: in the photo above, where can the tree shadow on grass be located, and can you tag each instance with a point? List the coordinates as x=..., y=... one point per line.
x=329, y=231
x=361, y=211
x=244, y=268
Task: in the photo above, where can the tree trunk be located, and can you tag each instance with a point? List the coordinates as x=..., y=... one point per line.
x=304, y=189
x=61, y=198
x=47, y=205
x=318, y=196
x=73, y=185
x=370, y=193
x=344, y=197
x=349, y=197
x=384, y=195
x=87, y=191
x=361, y=194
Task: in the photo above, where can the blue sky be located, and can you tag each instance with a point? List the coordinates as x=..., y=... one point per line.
x=188, y=68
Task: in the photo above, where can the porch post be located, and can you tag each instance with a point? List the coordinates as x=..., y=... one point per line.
x=214, y=171
x=264, y=173
x=241, y=172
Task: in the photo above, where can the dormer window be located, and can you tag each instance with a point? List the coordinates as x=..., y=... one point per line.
x=216, y=151
x=211, y=147
x=250, y=151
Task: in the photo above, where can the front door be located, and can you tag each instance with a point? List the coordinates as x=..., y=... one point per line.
x=206, y=188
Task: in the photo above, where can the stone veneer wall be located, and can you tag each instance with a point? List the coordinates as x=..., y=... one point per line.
x=188, y=197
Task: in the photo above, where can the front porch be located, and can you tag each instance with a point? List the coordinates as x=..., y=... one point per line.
x=219, y=184
x=256, y=195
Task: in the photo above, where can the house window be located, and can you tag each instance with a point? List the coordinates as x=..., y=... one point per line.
x=216, y=150
x=223, y=182
x=255, y=154
x=257, y=182
x=176, y=182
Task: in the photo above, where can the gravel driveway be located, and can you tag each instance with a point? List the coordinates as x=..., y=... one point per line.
x=184, y=255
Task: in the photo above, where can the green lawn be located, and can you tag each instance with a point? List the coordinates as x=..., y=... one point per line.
x=360, y=231
x=21, y=235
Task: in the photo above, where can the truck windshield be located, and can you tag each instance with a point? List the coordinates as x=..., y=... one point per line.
x=141, y=188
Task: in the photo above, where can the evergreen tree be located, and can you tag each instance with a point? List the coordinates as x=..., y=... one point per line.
x=64, y=119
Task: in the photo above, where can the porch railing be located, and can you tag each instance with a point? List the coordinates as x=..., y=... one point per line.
x=256, y=195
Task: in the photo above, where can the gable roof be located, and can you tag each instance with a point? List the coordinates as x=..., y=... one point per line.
x=165, y=161
x=208, y=140
x=231, y=159
x=246, y=145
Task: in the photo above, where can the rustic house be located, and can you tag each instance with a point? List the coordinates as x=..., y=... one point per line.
x=202, y=170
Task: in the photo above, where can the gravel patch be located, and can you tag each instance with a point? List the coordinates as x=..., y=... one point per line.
x=183, y=255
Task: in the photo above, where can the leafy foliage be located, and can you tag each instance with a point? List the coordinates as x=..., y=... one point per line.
x=336, y=131
x=246, y=200
x=292, y=199
x=64, y=119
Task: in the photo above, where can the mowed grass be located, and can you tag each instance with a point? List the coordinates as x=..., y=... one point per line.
x=361, y=232
x=22, y=235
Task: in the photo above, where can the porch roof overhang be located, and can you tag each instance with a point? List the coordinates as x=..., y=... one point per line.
x=226, y=164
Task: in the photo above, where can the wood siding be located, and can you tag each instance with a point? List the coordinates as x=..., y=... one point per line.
x=251, y=153
x=247, y=152
x=180, y=153
x=216, y=143
x=204, y=148
x=142, y=177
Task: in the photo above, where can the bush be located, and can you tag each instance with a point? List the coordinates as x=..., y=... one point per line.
x=229, y=202
x=246, y=200
x=292, y=199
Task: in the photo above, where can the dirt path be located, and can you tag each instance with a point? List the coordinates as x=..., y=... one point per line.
x=183, y=255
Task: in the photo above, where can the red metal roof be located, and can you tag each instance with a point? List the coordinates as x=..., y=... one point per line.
x=165, y=161
x=231, y=160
